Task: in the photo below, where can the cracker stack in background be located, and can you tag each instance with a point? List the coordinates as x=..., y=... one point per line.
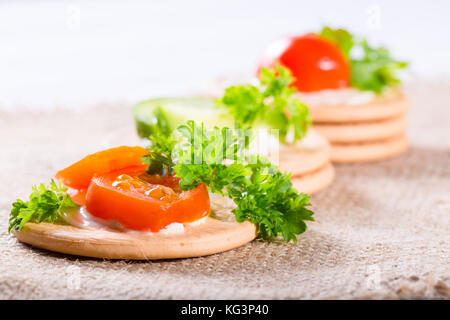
x=309, y=161
x=364, y=132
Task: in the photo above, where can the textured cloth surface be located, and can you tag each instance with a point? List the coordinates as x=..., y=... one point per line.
x=382, y=229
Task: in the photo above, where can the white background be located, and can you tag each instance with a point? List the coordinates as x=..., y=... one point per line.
x=74, y=53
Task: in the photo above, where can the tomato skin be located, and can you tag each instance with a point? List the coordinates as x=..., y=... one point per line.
x=77, y=196
x=137, y=211
x=315, y=62
x=78, y=175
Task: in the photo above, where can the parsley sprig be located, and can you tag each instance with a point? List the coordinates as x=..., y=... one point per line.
x=161, y=144
x=262, y=193
x=375, y=70
x=271, y=102
x=46, y=203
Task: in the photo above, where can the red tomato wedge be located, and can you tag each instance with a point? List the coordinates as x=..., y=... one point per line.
x=78, y=176
x=143, y=202
x=315, y=62
x=78, y=196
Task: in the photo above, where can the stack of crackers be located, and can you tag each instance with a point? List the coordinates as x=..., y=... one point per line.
x=364, y=132
x=309, y=161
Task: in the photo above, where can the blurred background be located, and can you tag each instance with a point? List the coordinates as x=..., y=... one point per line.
x=77, y=53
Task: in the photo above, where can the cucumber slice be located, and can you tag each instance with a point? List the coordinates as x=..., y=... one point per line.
x=176, y=111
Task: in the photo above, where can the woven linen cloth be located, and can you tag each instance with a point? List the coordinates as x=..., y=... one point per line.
x=382, y=229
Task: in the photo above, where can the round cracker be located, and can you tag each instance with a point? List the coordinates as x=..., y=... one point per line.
x=308, y=155
x=209, y=237
x=315, y=181
x=363, y=131
x=369, y=151
x=383, y=107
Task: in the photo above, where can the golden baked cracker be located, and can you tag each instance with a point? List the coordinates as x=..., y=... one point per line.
x=305, y=156
x=369, y=151
x=383, y=107
x=314, y=181
x=362, y=131
x=209, y=237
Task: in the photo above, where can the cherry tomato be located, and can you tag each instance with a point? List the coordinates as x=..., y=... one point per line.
x=143, y=202
x=315, y=62
x=78, y=176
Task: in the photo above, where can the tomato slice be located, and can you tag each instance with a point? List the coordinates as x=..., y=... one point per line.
x=78, y=196
x=78, y=176
x=315, y=62
x=142, y=202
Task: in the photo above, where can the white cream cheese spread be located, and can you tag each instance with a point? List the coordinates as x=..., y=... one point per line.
x=347, y=96
x=81, y=218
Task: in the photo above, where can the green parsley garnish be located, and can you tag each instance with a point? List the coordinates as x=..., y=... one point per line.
x=262, y=193
x=341, y=37
x=375, y=70
x=46, y=203
x=271, y=102
x=161, y=144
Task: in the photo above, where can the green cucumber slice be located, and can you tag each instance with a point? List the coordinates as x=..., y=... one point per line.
x=176, y=111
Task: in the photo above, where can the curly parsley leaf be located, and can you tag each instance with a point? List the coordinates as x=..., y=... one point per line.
x=262, y=193
x=375, y=70
x=341, y=37
x=46, y=203
x=245, y=103
x=161, y=143
x=156, y=123
x=158, y=163
x=268, y=200
x=272, y=102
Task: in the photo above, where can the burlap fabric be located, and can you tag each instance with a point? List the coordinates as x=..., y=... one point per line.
x=382, y=229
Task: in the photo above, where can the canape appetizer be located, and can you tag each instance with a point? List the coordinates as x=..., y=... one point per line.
x=280, y=122
x=193, y=192
x=352, y=90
